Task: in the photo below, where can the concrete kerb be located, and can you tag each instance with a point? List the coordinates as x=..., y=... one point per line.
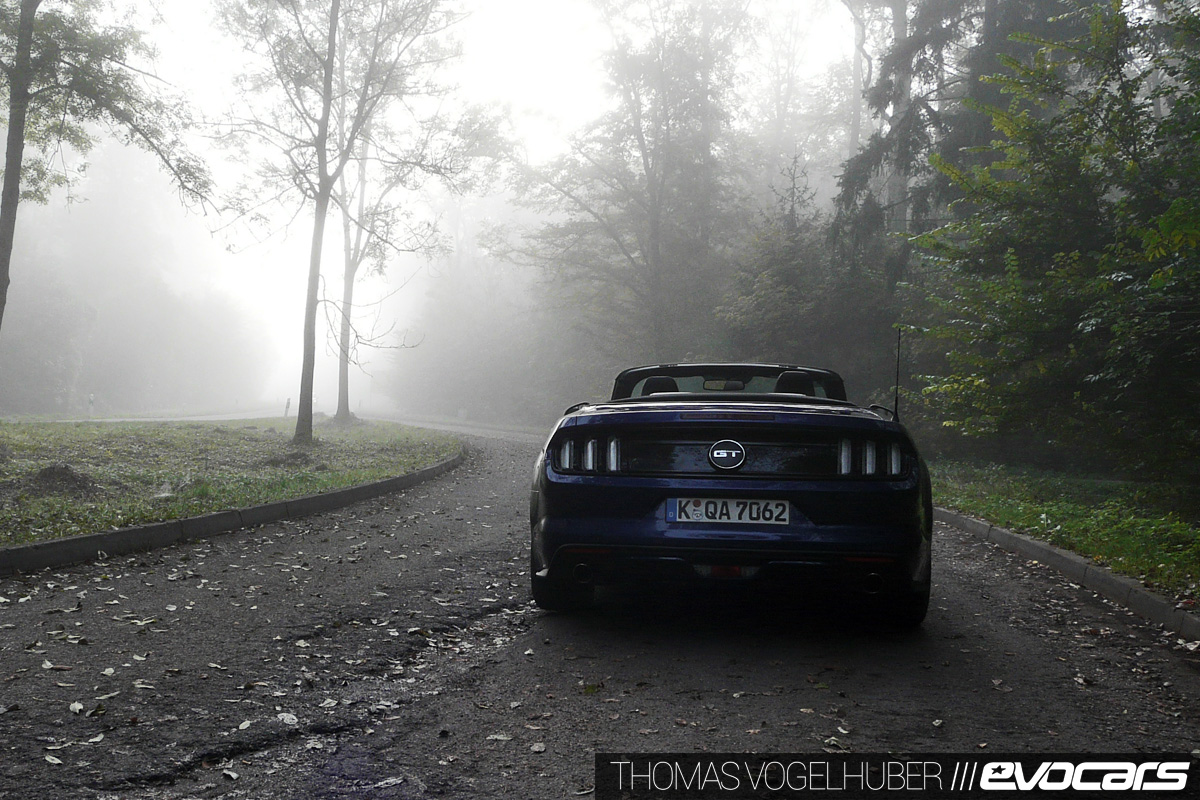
x=1122, y=590
x=78, y=549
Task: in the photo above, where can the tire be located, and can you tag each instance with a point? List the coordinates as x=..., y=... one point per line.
x=907, y=612
x=566, y=598
x=552, y=595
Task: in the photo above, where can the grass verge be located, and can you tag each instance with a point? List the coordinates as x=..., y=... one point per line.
x=63, y=479
x=1147, y=531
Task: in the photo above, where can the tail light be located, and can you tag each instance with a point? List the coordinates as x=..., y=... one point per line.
x=868, y=457
x=845, y=457
x=855, y=457
x=589, y=455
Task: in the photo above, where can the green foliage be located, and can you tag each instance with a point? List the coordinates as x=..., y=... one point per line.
x=1067, y=290
x=65, y=479
x=796, y=300
x=925, y=92
x=1146, y=530
x=84, y=73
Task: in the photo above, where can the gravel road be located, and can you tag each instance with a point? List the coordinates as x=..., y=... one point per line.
x=389, y=650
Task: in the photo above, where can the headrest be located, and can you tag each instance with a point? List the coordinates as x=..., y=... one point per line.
x=657, y=384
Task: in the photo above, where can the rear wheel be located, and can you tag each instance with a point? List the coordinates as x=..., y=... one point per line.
x=907, y=611
x=557, y=596
x=566, y=597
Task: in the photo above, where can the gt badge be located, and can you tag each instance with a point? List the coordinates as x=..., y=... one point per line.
x=727, y=454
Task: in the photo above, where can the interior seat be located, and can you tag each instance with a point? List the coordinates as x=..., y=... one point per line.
x=658, y=384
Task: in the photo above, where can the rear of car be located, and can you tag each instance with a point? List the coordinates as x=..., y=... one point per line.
x=773, y=490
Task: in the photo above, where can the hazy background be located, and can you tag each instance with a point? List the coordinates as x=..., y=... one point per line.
x=123, y=296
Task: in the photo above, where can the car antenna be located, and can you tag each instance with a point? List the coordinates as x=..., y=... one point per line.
x=896, y=397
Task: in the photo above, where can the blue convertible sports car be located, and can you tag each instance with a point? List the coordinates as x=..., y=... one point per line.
x=746, y=474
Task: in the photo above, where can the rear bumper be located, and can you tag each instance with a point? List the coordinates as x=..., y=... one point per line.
x=843, y=537
x=794, y=572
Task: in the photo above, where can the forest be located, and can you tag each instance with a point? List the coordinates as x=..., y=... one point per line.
x=987, y=209
x=1013, y=205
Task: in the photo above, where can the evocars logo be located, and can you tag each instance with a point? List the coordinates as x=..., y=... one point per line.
x=1090, y=776
x=727, y=454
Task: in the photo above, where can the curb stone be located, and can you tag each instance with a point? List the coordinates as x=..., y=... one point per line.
x=97, y=546
x=1124, y=591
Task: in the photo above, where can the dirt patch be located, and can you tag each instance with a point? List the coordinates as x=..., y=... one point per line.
x=295, y=458
x=60, y=479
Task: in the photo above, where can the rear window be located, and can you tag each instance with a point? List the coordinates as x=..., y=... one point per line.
x=694, y=384
x=697, y=384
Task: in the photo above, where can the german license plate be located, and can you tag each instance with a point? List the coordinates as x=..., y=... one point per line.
x=717, y=509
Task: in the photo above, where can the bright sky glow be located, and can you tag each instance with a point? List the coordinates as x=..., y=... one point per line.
x=542, y=59
x=537, y=58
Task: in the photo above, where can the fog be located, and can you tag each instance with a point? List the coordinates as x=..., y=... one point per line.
x=126, y=301
x=115, y=309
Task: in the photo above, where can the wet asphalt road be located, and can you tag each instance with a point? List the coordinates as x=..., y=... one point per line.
x=389, y=651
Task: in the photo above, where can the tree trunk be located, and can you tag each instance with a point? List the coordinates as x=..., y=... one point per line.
x=354, y=244
x=897, y=183
x=14, y=154
x=304, y=409
x=343, y=409
x=854, y=135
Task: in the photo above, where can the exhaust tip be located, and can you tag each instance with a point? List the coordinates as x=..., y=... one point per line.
x=873, y=583
x=582, y=573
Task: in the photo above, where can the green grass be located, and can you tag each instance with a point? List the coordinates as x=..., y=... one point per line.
x=1145, y=530
x=63, y=479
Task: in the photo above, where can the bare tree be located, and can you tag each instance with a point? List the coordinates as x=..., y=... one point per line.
x=374, y=227
x=331, y=71
x=374, y=197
